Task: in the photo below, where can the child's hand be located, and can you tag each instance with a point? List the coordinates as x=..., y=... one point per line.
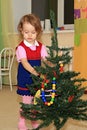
x=41, y=76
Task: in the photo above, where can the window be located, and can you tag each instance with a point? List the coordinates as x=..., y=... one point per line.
x=42, y=8
x=66, y=14
x=63, y=10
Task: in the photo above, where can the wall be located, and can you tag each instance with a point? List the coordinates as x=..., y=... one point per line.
x=20, y=8
x=80, y=53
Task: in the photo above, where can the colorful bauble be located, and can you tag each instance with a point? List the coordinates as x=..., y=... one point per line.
x=53, y=94
x=61, y=68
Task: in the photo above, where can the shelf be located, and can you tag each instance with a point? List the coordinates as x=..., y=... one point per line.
x=59, y=31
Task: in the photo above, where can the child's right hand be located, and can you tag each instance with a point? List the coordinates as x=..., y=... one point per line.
x=41, y=76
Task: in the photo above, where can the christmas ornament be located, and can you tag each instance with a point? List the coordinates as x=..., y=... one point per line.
x=37, y=95
x=43, y=96
x=61, y=68
x=70, y=98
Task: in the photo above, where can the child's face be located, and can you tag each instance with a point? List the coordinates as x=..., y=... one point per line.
x=29, y=33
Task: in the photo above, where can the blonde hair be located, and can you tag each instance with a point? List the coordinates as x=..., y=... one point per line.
x=33, y=20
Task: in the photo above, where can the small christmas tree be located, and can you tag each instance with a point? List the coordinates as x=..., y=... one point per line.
x=58, y=95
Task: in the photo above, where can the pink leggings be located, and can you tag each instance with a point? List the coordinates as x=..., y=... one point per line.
x=21, y=123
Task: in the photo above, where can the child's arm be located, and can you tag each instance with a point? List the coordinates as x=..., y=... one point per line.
x=21, y=57
x=44, y=54
x=49, y=63
x=28, y=67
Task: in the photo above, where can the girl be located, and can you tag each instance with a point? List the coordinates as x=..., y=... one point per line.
x=29, y=53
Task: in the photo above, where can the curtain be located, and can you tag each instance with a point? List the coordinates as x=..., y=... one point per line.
x=80, y=19
x=6, y=22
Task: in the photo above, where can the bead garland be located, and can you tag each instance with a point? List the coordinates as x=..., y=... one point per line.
x=43, y=96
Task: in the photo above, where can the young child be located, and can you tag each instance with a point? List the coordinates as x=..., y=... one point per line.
x=29, y=53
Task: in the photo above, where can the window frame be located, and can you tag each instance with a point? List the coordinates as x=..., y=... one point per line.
x=60, y=16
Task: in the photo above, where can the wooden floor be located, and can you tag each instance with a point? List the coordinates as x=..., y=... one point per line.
x=9, y=108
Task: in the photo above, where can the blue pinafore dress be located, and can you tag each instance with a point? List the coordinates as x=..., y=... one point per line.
x=24, y=77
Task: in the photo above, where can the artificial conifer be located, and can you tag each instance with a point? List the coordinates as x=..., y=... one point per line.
x=56, y=104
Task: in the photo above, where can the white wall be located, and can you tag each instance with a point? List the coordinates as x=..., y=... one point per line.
x=20, y=8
